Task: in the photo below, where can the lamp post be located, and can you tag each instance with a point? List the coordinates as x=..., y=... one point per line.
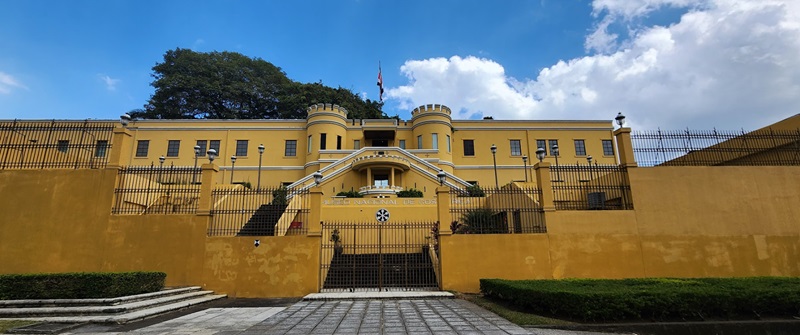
x=160, y=166
x=494, y=160
x=554, y=152
x=317, y=178
x=525, y=164
x=196, y=155
x=233, y=167
x=620, y=119
x=260, y=155
x=589, y=160
x=442, y=176
x=22, y=155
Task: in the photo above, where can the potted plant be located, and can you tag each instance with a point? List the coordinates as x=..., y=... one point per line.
x=337, y=242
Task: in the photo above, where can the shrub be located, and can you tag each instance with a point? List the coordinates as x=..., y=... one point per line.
x=410, y=193
x=81, y=285
x=651, y=299
x=349, y=194
x=480, y=221
x=475, y=191
x=279, y=196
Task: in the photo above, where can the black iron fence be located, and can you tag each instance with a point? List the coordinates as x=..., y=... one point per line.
x=379, y=256
x=54, y=144
x=714, y=147
x=240, y=211
x=591, y=187
x=509, y=210
x=157, y=190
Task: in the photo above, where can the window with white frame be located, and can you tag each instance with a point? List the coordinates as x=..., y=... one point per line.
x=580, y=148
x=608, y=148
x=516, y=148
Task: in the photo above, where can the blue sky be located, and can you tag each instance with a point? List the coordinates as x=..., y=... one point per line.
x=543, y=59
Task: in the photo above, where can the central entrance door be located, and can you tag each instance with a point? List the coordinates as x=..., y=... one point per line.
x=379, y=256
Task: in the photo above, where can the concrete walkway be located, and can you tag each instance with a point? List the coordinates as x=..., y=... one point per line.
x=385, y=316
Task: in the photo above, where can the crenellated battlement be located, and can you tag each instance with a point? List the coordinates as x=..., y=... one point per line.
x=430, y=108
x=326, y=108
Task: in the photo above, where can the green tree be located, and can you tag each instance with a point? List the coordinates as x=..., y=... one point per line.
x=229, y=85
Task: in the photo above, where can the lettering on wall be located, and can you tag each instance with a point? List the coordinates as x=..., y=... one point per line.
x=369, y=202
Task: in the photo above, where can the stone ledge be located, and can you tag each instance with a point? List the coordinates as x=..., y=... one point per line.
x=378, y=295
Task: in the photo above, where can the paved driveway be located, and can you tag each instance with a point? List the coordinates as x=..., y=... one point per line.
x=425, y=316
x=403, y=316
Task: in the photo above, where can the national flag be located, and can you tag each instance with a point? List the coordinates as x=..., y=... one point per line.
x=380, y=81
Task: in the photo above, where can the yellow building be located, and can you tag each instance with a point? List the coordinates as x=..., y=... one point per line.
x=386, y=154
x=98, y=196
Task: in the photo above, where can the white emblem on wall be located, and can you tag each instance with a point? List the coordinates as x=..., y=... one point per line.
x=382, y=215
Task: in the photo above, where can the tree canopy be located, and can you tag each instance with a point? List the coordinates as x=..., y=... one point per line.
x=229, y=85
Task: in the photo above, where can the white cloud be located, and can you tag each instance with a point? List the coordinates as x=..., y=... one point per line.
x=8, y=82
x=726, y=63
x=629, y=9
x=111, y=83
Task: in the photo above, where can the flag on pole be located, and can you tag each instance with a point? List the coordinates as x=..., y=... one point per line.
x=380, y=81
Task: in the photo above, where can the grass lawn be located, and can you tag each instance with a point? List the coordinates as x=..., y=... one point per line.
x=8, y=324
x=509, y=312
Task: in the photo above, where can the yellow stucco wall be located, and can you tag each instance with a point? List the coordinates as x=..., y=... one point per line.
x=282, y=266
x=717, y=201
x=467, y=258
x=688, y=222
x=59, y=221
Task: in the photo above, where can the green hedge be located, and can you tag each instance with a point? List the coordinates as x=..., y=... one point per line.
x=653, y=298
x=79, y=285
x=410, y=193
x=350, y=194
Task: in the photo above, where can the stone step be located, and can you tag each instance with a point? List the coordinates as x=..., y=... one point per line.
x=127, y=317
x=101, y=310
x=94, y=302
x=376, y=295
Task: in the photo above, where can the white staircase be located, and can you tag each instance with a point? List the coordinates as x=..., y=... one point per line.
x=111, y=310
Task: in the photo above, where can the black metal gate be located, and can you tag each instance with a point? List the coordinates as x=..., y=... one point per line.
x=379, y=256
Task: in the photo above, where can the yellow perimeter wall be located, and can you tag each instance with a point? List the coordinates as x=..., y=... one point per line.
x=688, y=222
x=60, y=221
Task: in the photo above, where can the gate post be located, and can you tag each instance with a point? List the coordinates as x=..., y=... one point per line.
x=120, y=147
x=542, y=170
x=206, y=187
x=443, y=204
x=625, y=147
x=315, y=211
